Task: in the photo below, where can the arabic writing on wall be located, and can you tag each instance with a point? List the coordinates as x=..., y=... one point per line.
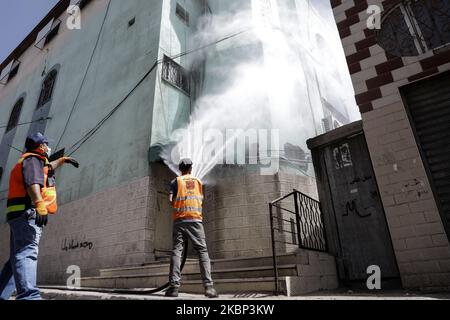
x=74, y=245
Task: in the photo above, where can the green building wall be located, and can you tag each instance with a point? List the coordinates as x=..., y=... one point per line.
x=117, y=153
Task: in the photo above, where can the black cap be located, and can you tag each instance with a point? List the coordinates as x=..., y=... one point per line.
x=186, y=162
x=185, y=165
x=35, y=140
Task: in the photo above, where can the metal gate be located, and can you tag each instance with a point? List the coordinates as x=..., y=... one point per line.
x=353, y=213
x=296, y=221
x=428, y=106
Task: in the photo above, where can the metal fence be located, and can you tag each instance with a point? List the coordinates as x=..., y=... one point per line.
x=296, y=221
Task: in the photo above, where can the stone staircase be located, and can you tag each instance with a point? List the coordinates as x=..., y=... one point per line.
x=238, y=276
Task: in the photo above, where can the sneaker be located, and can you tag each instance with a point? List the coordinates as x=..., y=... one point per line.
x=172, y=292
x=210, y=292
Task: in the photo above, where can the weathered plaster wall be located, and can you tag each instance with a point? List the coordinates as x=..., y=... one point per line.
x=118, y=152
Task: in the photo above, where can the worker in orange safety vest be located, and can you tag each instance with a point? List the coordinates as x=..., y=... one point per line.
x=186, y=197
x=31, y=198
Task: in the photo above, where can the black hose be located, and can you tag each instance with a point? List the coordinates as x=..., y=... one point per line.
x=135, y=291
x=145, y=292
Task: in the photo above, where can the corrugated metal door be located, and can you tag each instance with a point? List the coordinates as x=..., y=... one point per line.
x=428, y=104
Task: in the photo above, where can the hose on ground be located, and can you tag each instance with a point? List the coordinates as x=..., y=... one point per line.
x=135, y=291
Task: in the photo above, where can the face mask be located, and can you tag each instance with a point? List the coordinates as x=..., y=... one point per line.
x=48, y=153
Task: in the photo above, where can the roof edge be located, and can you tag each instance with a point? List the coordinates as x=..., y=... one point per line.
x=55, y=12
x=336, y=135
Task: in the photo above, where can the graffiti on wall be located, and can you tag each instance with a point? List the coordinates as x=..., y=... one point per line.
x=351, y=207
x=342, y=157
x=69, y=245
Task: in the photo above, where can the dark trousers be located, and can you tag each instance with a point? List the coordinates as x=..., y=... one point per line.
x=181, y=233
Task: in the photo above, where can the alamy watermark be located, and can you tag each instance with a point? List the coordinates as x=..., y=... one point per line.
x=374, y=280
x=210, y=147
x=74, y=280
x=374, y=19
x=74, y=19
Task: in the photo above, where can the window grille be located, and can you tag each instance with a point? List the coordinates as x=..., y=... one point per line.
x=175, y=74
x=47, y=89
x=15, y=115
x=415, y=26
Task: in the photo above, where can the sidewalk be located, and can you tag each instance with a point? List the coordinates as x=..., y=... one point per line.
x=56, y=294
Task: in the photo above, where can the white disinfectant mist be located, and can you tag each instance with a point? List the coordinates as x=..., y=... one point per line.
x=280, y=72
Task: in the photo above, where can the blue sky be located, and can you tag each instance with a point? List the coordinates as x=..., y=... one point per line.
x=17, y=19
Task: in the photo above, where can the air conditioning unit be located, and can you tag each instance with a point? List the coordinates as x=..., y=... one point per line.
x=330, y=123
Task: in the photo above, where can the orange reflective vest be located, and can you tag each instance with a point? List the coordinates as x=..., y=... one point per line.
x=189, y=199
x=18, y=199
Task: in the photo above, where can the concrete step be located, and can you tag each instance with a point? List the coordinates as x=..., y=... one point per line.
x=154, y=268
x=192, y=265
x=299, y=273
x=224, y=286
x=148, y=280
x=235, y=286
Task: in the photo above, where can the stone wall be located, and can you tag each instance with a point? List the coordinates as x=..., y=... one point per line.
x=316, y=272
x=237, y=212
x=131, y=224
x=108, y=229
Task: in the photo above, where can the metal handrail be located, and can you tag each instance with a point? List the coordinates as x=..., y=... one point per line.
x=307, y=214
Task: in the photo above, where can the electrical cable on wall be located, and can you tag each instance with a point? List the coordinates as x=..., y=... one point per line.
x=97, y=127
x=78, y=144
x=91, y=132
x=24, y=123
x=85, y=76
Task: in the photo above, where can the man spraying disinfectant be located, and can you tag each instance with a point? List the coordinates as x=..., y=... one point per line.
x=31, y=198
x=186, y=196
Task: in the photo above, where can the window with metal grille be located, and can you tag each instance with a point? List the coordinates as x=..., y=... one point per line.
x=414, y=27
x=182, y=14
x=15, y=115
x=175, y=74
x=47, y=89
